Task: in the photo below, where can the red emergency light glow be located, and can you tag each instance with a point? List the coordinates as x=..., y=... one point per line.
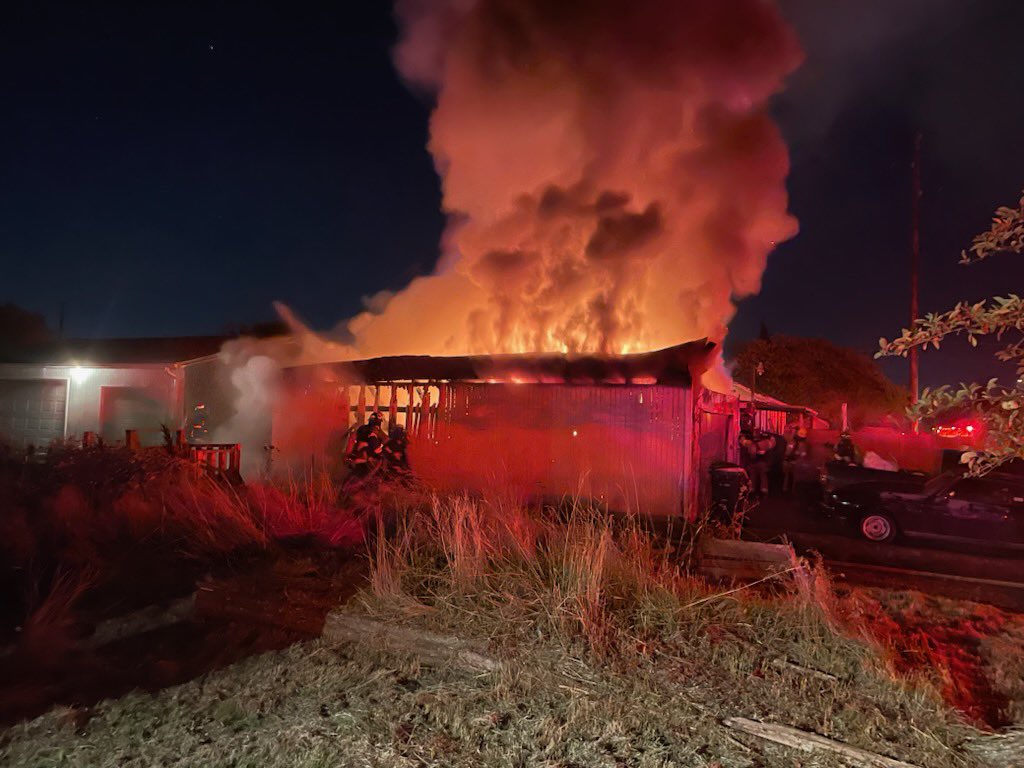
x=953, y=431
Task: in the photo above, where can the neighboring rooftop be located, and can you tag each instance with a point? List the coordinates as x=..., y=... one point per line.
x=133, y=351
x=769, y=403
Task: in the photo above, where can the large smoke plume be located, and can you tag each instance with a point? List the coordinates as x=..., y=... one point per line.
x=612, y=178
x=611, y=174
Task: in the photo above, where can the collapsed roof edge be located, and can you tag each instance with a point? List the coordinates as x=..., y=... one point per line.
x=680, y=364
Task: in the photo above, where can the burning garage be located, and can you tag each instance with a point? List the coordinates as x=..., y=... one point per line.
x=634, y=432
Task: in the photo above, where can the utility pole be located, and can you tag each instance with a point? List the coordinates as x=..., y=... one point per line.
x=758, y=371
x=915, y=260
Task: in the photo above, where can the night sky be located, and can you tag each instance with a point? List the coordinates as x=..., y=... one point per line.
x=173, y=169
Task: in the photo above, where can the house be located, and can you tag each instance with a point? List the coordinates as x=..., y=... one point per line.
x=773, y=415
x=634, y=433
x=104, y=386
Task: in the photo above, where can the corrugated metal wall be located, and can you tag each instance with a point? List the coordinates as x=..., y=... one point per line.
x=624, y=446
x=633, y=447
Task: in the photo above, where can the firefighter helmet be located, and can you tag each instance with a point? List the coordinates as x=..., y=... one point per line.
x=375, y=419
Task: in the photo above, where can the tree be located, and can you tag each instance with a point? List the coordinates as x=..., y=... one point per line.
x=821, y=375
x=1002, y=317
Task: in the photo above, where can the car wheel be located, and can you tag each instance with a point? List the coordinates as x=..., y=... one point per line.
x=877, y=527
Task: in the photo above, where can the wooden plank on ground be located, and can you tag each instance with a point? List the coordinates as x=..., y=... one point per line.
x=737, y=549
x=138, y=622
x=272, y=610
x=736, y=570
x=812, y=742
x=431, y=649
x=745, y=560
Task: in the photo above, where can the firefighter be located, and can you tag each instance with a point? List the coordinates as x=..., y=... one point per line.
x=845, y=450
x=396, y=449
x=797, y=456
x=197, y=426
x=755, y=448
x=367, y=449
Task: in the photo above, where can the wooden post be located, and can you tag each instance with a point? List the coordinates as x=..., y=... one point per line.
x=376, y=397
x=410, y=427
x=88, y=439
x=442, y=407
x=131, y=439
x=361, y=407
x=179, y=440
x=346, y=407
x=393, y=407
x=425, y=412
x=417, y=412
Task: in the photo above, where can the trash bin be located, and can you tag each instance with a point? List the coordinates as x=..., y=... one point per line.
x=729, y=484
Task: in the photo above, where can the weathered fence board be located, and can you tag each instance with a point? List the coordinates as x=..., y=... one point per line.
x=744, y=560
x=429, y=648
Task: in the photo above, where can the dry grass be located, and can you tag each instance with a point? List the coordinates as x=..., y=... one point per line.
x=95, y=500
x=51, y=628
x=587, y=589
x=613, y=656
x=145, y=524
x=584, y=576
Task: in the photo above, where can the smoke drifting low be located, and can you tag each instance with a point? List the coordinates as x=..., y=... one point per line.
x=612, y=178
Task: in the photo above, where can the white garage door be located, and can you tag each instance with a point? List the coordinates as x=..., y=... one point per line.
x=32, y=411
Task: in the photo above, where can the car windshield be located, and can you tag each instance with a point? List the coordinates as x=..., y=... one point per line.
x=940, y=484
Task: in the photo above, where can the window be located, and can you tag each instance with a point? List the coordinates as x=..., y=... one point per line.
x=982, y=491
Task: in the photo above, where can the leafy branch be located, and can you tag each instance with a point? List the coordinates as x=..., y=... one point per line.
x=1006, y=235
x=997, y=405
x=994, y=317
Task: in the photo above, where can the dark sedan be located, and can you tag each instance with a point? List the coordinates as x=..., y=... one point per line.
x=836, y=475
x=950, y=508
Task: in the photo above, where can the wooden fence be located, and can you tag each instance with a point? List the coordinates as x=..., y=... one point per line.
x=222, y=459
